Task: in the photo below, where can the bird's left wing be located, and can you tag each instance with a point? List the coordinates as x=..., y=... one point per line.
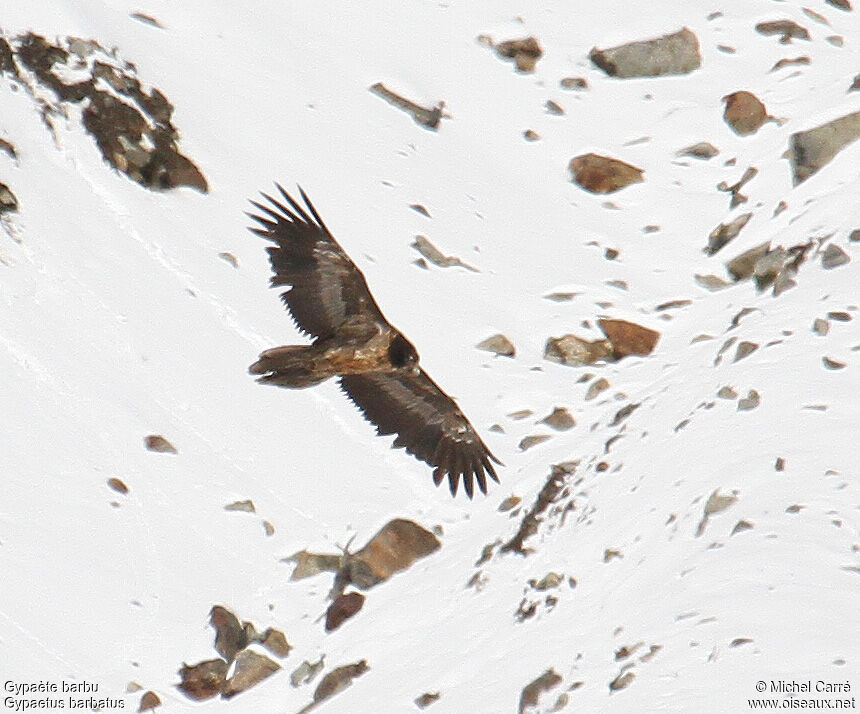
x=428, y=424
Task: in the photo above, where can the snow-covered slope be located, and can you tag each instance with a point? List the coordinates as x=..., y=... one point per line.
x=118, y=319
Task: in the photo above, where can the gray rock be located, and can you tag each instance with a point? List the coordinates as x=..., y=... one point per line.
x=574, y=351
x=833, y=257
x=811, y=150
x=821, y=326
x=724, y=233
x=498, y=344
x=743, y=266
x=596, y=388
x=560, y=419
x=750, y=401
x=702, y=150
x=745, y=349
x=673, y=54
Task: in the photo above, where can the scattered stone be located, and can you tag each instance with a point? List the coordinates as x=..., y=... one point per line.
x=623, y=680
x=832, y=363
x=628, y=338
x=531, y=135
x=780, y=464
x=509, y=503
x=619, y=284
x=203, y=680
x=716, y=503
x=744, y=112
x=740, y=527
x=549, y=581
x=559, y=419
x=786, y=62
x=147, y=19
x=274, y=641
x=855, y=85
x=117, y=485
x=426, y=699
x=835, y=40
x=820, y=326
x=743, y=266
x=418, y=208
x=246, y=506
x=397, y=545
x=229, y=258
x=498, y=344
x=811, y=150
x=817, y=16
x=343, y=607
x=745, y=349
x=673, y=54
x=650, y=229
x=336, y=681
x=780, y=207
x=750, y=401
x=230, y=635
x=532, y=692
x=268, y=528
x=702, y=150
x=437, y=257
x=602, y=174
x=787, y=29
x=8, y=201
x=854, y=236
x=724, y=233
x=156, y=442
x=738, y=641
x=428, y=118
x=554, y=108
x=520, y=414
x=598, y=386
x=728, y=49
x=735, y=189
x=7, y=147
x=833, y=257
x=149, y=701
x=577, y=83
x=793, y=509
x=727, y=392
x=672, y=304
x=533, y=440
x=309, y=564
x=624, y=412
x=549, y=493
x=306, y=671
x=525, y=52
x=841, y=4
x=711, y=282
x=567, y=297
x=839, y=316
x=574, y=351
x=250, y=669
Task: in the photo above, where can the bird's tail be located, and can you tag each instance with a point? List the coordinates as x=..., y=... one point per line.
x=292, y=366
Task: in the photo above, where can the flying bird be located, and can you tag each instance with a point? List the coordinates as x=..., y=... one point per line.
x=377, y=366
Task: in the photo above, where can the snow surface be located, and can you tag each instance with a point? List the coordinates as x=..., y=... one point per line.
x=118, y=319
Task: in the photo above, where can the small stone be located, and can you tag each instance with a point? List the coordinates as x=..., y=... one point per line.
x=548, y=582
x=306, y=671
x=834, y=257
x=230, y=636
x=343, y=607
x=780, y=464
x=531, y=694
x=628, y=338
x=745, y=349
x=602, y=174
x=530, y=135
x=835, y=40
x=832, y=363
x=250, y=669
x=529, y=441
x=622, y=680
x=727, y=392
x=744, y=112
x=751, y=401
x=786, y=62
x=554, y=108
x=702, y=150
x=673, y=54
x=339, y=679
x=156, y=442
x=711, y=282
x=117, y=485
x=841, y=4
x=596, y=388
x=740, y=527
x=525, y=52
x=520, y=414
x=854, y=236
x=229, y=258
x=426, y=699
x=498, y=344
x=820, y=327
x=418, y=208
x=574, y=351
x=149, y=701
x=275, y=641
x=559, y=419
x=743, y=266
x=509, y=503
x=397, y=545
x=738, y=641
x=787, y=29
x=203, y=680
x=268, y=528
x=577, y=83
x=246, y=506
x=809, y=151
x=725, y=233
x=839, y=316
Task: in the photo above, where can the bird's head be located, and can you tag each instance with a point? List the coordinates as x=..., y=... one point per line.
x=402, y=353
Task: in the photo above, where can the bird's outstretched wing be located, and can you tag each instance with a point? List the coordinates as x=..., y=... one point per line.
x=327, y=287
x=428, y=424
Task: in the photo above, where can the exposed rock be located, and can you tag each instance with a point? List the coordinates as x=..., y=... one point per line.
x=744, y=112
x=554, y=108
x=8, y=201
x=532, y=692
x=601, y=174
x=306, y=671
x=727, y=392
x=750, y=401
x=250, y=669
x=628, y=338
x=274, y=641
x=436, y=256
x=623, y=680
x=230, y=636
x=841, y=4
x=677, y=53
x=395, y=547
x=786, y=62
x=520, y=414
x=525, y=52
x=574, y=351
x=559, y=419
x=830, y=363
x=745, y=349
x=855, y=85
x=246, y=506
x=711, y=282
x=596, y=387
x=203, y=680
x=549, y=493
x=336, y=681
x=820, y=327
x=743, y=266
x=428, y=118
x=578, y=83
x=530, y=135
x=309, y=564
x=811, y=150
x=724, y=233
x=229, y=258
x=735, y=189
x=509, y=503
x=149, y=701
x=833, y=257
x=624, y=412
x=146, y=19
x=343, y=607
x=426, y=699
x=156, y=442
x=716, y=503
x=498, y=344
x=528, y=442
x=117, y=485
x=702, y=150
x=786, y=29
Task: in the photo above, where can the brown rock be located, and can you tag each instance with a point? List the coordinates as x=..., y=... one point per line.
x=785, y=62
x=427, y=117
x=203, y=680
x=628, y=338
x=677, y=53
x=156, y=442
x=251, y=669
x=596, y=387
x=395, y=547
x=744, y=112
x=576, y=352
x=532, y=692
x=811, y=150
x=855, y=85
x=742, y=266
x=149, y=701
x=498, y=344
x=559, y=419
x=339, y=679
x=274, y=641
x=426, y=699
x=117, y=485
x=8, y=201
x=724, y=233
x=702, y=150
x=841, y=4
x=578, y=83
x=343, y=607
x=528, y=442
x=786, y=29
x=525, y=52
x=601, y=174
x=230, y=636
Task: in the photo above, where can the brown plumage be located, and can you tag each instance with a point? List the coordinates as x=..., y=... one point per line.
x=377, y=366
